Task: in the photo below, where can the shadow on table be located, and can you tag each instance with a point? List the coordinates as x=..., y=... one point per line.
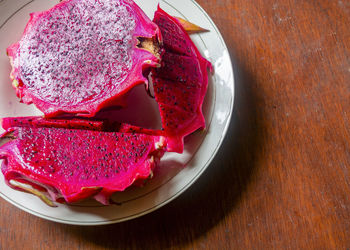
x=217, y=192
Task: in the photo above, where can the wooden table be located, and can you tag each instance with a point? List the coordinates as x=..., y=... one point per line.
x=282, y=178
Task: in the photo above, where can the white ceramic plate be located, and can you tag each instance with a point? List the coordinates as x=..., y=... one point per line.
x=176, y=172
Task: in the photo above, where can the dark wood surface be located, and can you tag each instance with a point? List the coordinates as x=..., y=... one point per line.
x=282, y=178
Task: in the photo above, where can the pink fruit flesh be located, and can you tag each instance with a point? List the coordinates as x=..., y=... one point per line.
x=83, y=55
x=76, y=123
x=75, y=164
x=180, y=84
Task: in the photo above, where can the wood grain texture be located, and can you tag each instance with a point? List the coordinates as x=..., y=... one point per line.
x=281, y=180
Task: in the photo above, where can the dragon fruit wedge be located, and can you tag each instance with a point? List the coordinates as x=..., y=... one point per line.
x=68, y=165
x=76, y=123
x=73, y=123
x=180, y=84
x=83, y=55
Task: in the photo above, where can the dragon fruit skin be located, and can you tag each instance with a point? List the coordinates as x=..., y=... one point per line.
x=74, y=164
x=180, y=84
x=69, y=61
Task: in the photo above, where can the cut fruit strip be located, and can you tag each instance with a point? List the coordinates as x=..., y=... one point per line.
x=180, y=68
x=180, y=84
x=168, y=91
x=75, y=123
x=83, y=55
x=71, y=165
x=178, y=123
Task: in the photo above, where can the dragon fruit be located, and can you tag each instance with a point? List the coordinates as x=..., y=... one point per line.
x=83, y=55
x=180, y=84
x=73, y=123
x=76, y=123
x=68, y=61
x=74, y=164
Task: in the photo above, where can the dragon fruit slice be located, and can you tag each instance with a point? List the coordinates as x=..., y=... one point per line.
x=180, y=84
x=76, y=123
x=74, y=164
x=73, y=123
x=83, y=55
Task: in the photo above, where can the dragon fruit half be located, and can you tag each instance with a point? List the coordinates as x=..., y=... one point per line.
x=73, y=164
x=180, y=84
x=82, y=55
